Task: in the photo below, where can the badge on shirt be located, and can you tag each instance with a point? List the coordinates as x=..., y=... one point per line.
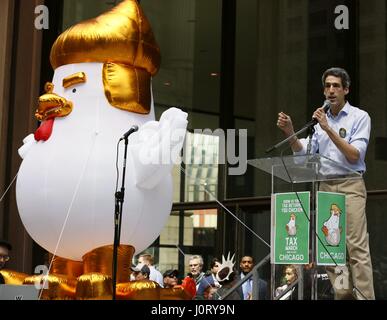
x=342, y=132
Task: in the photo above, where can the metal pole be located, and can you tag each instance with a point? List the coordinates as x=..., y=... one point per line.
x=272, y=267
x=300, y=282
x=313, y=242
x=255, y=291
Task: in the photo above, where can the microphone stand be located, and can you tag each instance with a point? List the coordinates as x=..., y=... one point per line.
x=119, y=202
x=310, y=135
x=310, y=125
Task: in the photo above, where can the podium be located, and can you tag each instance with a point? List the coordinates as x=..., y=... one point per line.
x=289, y=171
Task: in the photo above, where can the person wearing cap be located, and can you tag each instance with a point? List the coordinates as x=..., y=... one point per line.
x=141, y=272
x=5, y=248
x=170, y=278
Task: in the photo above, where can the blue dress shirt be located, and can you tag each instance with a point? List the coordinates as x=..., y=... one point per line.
x=247, y=288
x=353, y=125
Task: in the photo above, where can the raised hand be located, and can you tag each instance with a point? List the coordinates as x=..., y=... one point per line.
x=320, y=116
x=284, y=122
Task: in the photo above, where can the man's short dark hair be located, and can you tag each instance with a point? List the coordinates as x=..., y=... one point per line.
x=339, y=73
x=246, y=255
x=5, y=244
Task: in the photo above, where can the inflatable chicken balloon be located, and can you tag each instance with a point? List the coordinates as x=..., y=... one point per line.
x=100, y=89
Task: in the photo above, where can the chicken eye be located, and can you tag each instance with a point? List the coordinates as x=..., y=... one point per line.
x=74, y=90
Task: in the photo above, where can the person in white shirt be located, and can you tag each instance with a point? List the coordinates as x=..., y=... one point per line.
x=155, y=275
x=342, y=134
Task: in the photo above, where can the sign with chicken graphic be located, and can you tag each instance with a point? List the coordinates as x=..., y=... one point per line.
x=330, y=227
x=290, y=228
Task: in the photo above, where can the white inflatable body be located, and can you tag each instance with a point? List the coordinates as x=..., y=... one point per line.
x=65, y=187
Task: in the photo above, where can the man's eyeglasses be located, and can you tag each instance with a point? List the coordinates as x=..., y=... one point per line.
x=4, y=258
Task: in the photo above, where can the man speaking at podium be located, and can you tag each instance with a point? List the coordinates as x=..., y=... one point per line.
x=342, y=134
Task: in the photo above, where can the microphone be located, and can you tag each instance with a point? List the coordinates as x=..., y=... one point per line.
x=134, y=128
x=326, y=106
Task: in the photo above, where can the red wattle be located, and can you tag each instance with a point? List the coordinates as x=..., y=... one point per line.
x=45, y=130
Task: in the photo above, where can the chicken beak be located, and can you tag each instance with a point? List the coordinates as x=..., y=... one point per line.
x=52, y=105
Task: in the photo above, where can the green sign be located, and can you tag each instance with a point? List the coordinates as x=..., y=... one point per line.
x=290, y=228
x=330, y=227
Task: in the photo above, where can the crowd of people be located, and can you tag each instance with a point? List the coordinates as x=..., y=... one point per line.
x=210, y=285
x=213, y=284
x=216, y=283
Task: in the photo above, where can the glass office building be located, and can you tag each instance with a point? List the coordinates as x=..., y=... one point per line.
x=231, y=64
